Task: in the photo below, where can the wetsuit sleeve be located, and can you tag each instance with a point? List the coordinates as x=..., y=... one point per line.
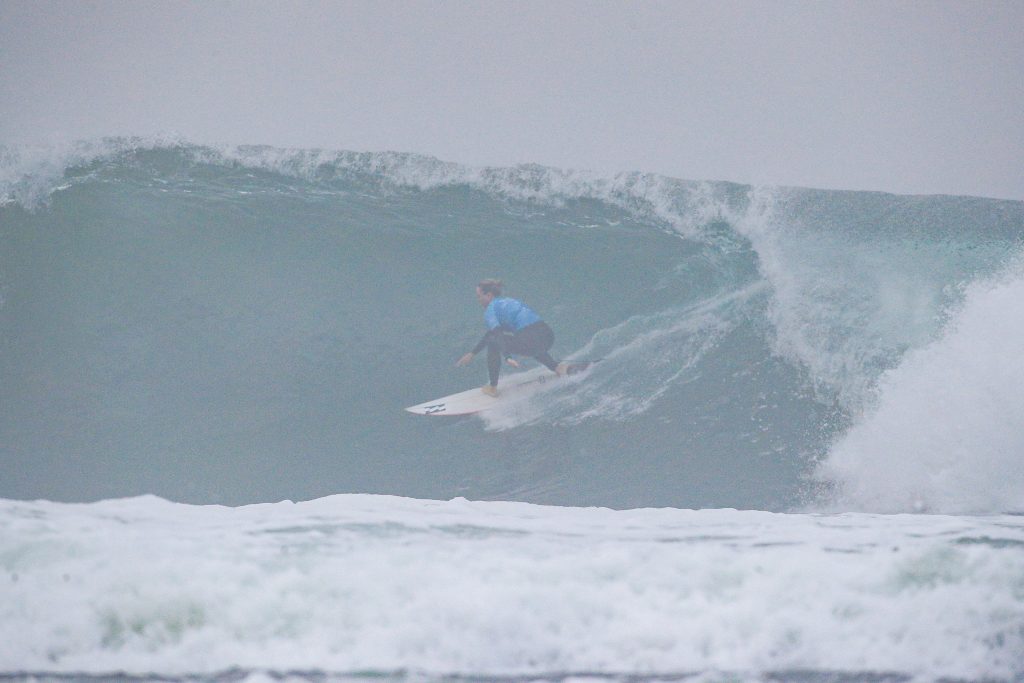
x=482, y=343
x=495, y=334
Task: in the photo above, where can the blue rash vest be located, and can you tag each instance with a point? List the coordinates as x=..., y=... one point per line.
x=509, y=314
x=505, y=315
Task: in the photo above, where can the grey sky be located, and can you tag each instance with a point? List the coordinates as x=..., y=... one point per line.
x=910, y=97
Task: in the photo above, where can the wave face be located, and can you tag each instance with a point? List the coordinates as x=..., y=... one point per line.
x=246, y=324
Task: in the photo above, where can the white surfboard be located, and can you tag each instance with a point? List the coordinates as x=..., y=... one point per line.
x=512, y=387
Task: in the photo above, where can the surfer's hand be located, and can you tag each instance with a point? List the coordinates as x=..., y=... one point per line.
x=465, y=360
x=513, y=362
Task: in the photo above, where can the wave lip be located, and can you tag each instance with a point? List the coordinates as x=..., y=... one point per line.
x=30, y=174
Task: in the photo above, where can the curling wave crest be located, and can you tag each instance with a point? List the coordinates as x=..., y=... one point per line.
x=239, y=324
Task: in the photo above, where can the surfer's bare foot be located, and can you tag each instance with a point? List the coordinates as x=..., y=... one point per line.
x=562, y=369
x=490, y=390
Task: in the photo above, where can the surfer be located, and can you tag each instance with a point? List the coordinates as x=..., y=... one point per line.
x=512, y=328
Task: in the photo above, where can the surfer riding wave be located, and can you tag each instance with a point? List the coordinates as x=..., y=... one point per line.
x=512, y=328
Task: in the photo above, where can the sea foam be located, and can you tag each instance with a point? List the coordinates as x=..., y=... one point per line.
x=377, y=585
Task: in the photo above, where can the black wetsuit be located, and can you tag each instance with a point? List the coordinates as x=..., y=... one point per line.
x=533, y=340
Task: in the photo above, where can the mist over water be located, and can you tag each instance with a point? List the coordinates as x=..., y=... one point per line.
x=246, y=324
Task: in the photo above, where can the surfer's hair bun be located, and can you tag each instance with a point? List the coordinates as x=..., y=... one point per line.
x=491, y=287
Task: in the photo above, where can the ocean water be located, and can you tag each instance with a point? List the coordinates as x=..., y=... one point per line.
x=800, y=458
x=369, y=587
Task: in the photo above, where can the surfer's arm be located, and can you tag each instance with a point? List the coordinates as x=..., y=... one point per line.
x=468, y=358
x=498, y=336
x=495, y=334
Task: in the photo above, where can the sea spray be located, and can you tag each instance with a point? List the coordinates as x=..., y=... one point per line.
x=947, y=431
